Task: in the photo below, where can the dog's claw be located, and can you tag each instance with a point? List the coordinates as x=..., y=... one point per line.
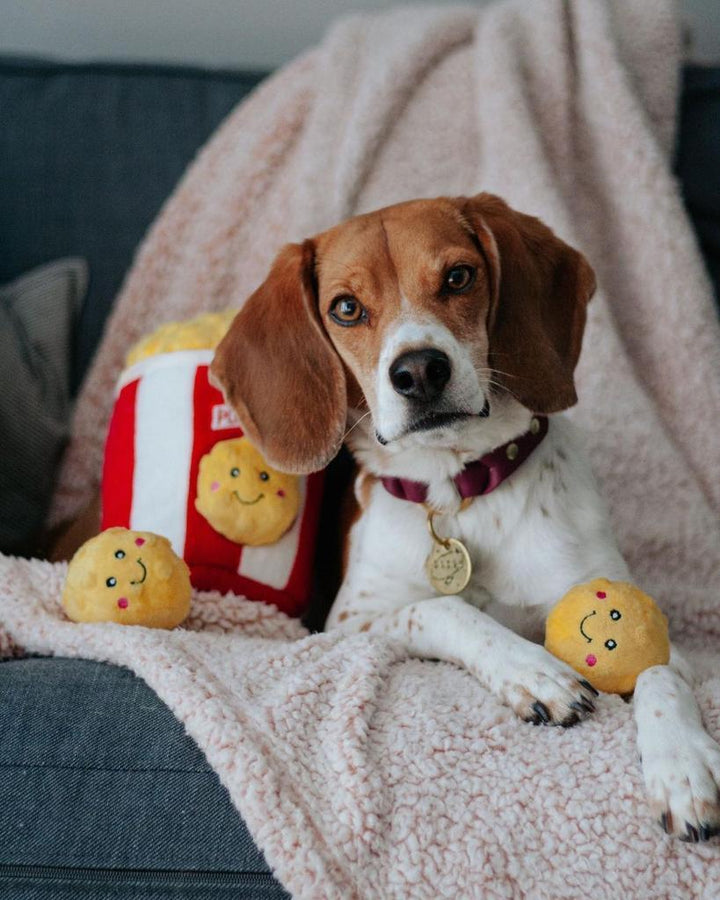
x=583, y=706
x=706, y=832
x=692, y=834
x=589, y=687
x=571, y=720
x=542, y=711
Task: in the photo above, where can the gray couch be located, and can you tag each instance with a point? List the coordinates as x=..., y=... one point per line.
x=101, y=792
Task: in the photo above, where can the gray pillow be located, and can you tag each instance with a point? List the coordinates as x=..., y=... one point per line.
x=37, y=316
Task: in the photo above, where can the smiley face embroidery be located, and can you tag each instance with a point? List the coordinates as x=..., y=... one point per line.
x=609, y=643
x=244, y=498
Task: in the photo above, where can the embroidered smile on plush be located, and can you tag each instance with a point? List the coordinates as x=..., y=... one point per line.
x=244, y=498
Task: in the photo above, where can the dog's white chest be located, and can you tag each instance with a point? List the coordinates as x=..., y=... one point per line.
x=522, y=539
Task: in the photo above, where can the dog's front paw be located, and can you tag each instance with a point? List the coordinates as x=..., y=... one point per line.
x=683, y=785
x=543, y=690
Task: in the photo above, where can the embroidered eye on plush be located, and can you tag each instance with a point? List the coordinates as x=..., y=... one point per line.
x=347, y=310
x=264, y=476
x=459, y=279
x=611, y=644
x=615, y=615
x=111, y=582
x=235, y=472
x=119, y=554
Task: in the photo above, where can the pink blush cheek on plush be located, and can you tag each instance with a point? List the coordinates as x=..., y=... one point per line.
x=215, y=486
x=123, y=603
x=590, y=659
x=139, y=542
x=281, y=493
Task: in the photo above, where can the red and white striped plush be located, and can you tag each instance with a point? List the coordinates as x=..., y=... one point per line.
x=166, y=417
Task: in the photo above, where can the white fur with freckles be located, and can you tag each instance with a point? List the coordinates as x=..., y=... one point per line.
x=542, y=531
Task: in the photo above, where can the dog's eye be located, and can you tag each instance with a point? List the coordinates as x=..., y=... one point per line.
x=615, y=615
x=235, y=472
x=611, y=644
x=347, y=310
x=459, y=279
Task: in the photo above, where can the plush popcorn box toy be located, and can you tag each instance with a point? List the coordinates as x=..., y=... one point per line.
x=177, y=464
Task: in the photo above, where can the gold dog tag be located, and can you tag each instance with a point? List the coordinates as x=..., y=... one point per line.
x=448, y=566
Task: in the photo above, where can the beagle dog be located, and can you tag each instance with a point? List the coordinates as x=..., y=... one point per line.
x=435, y=337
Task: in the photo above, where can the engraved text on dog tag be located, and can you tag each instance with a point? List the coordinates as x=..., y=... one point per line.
x=448, y=566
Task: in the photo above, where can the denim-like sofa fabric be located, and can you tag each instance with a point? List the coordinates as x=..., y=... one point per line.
x=97, y=774
x=697, y=160
x=89, y=153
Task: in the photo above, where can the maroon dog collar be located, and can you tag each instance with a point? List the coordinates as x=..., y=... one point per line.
x=482, y=475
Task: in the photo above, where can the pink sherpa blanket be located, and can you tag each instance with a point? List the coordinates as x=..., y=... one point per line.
x=363, y=774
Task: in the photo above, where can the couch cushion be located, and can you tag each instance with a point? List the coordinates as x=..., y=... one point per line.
x=90, y=152
x=698, y=159
x=99, y=784
x=38, y=313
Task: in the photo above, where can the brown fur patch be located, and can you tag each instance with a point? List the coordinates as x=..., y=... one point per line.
x=350, y=512
x=538, y=315
x=395, y=255
x=278, y=333
x=363, y=487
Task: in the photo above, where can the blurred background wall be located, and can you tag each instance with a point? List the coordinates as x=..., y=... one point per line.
x=228, y=33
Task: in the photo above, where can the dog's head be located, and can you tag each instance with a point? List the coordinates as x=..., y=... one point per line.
x=430, y=313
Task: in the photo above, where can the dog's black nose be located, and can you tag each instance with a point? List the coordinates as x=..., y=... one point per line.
x=421, y=374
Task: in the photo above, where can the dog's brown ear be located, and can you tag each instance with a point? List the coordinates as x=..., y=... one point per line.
x=279, y=371
x=541, y=287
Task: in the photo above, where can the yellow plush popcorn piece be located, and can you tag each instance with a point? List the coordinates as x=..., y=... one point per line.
x=608, y=631
x=244, y=498
x=201, y=333
x=128, y=577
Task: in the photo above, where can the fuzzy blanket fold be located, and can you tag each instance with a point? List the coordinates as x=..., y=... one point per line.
x=362, y=774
